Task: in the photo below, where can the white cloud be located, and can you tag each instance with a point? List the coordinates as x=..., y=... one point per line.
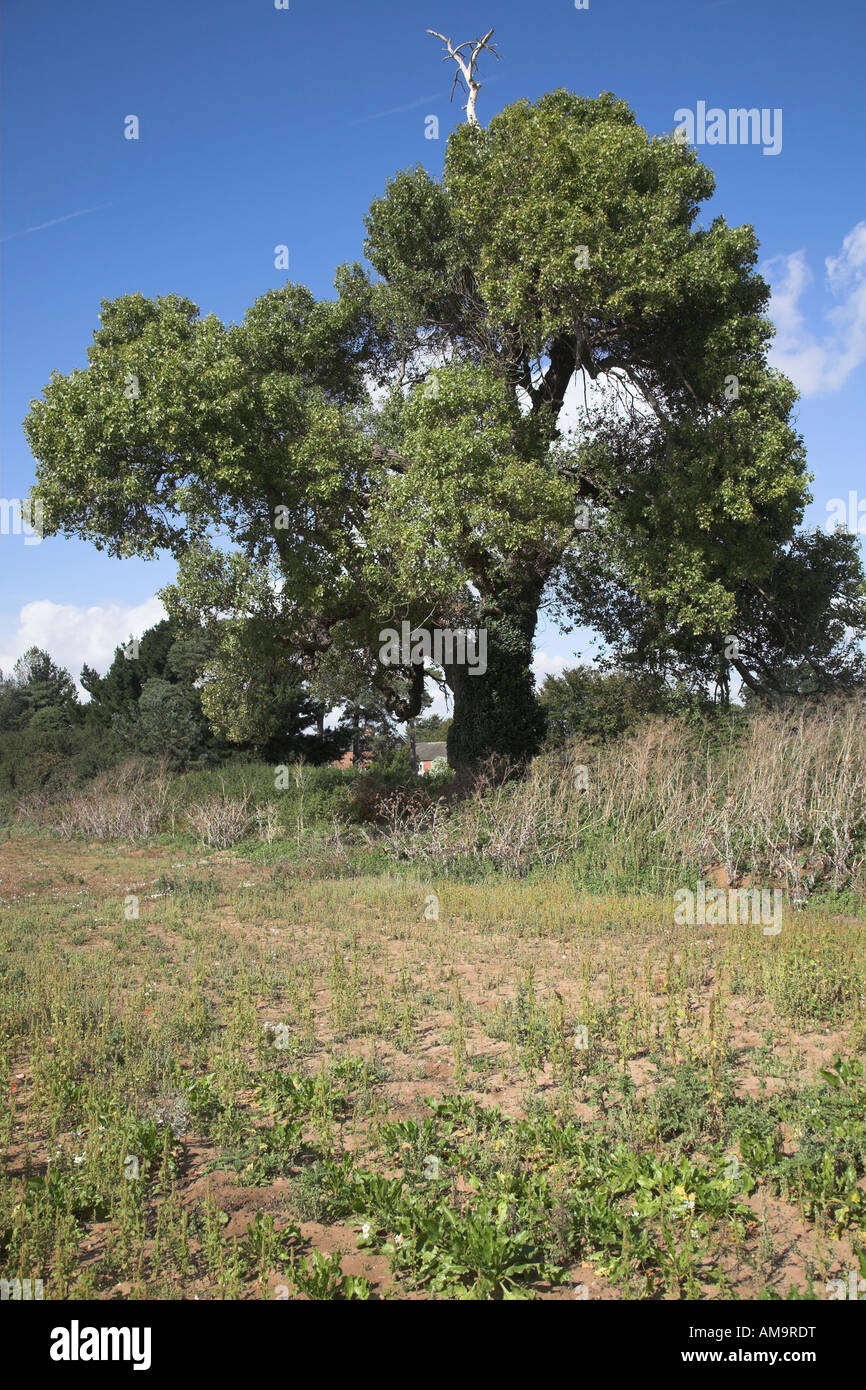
x=546, y=665
x=815, y=365
x=73, y=635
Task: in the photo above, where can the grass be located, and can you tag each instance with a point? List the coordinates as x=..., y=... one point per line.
x=257, y=1074
x=776, y=799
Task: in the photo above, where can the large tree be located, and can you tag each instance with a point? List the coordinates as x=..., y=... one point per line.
x=597, y=705
x=37, y=683
x=135, y=663
x=400, y=452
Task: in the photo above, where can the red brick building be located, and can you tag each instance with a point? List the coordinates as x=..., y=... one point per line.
x=427, y=753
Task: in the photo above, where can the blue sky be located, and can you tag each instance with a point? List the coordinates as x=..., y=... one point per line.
x=261, y=127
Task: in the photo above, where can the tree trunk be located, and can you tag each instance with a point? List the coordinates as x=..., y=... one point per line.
x=412, y=745
x=497, y=712
x=356, y=741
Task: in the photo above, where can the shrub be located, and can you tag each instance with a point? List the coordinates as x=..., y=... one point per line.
x=220, y=820
x=131, y=802
x=378, y=784
x=52, y=758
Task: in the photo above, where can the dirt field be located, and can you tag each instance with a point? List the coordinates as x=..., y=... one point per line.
x=226, y=1079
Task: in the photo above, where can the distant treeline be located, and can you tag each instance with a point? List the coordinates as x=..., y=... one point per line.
x=150, y=703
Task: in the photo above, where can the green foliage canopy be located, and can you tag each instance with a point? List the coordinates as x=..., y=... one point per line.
x=561, y=247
